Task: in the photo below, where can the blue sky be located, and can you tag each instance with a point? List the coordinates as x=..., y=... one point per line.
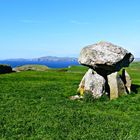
x=35, y=28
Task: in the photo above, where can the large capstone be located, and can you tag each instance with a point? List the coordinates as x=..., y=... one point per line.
x=105, y=58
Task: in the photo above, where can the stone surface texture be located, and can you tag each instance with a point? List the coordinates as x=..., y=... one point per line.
x=116, y=85
x=105, y=57
x=127, y=80
x=93, y=82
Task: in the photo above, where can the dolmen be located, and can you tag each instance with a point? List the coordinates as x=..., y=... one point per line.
x=106, y=73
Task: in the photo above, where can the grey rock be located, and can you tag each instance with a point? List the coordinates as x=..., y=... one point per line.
x=105, y=57
x=127, y=80
x=116, y=86
x=92, y=82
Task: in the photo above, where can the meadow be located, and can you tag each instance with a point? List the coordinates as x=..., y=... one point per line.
x=35, y=105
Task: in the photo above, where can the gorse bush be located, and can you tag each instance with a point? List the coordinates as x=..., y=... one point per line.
x=5, y=69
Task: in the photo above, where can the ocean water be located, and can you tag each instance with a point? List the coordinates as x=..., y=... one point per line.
x=50, y=64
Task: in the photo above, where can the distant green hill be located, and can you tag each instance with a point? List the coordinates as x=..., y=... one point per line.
x=31, y=67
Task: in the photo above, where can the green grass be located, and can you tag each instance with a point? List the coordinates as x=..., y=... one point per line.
x=36, y=106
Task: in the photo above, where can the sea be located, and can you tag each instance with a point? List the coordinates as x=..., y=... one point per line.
x=50, y=64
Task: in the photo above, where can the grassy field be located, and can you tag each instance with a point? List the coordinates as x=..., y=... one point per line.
x=36, y=106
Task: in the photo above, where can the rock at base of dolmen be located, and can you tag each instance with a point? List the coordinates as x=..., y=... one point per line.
x=116, y=85
x=105, y=57
x=93, y=83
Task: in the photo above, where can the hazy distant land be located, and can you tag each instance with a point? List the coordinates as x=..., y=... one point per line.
x=50, y=61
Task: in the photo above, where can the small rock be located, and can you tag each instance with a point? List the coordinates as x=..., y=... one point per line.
x=76, y=97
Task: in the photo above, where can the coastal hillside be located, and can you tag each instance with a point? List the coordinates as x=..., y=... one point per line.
x=45, y=58
x=50, y=61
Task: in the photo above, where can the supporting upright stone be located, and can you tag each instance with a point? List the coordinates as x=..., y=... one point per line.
x=92, y=82
x=127, y=80
x=116, y=86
